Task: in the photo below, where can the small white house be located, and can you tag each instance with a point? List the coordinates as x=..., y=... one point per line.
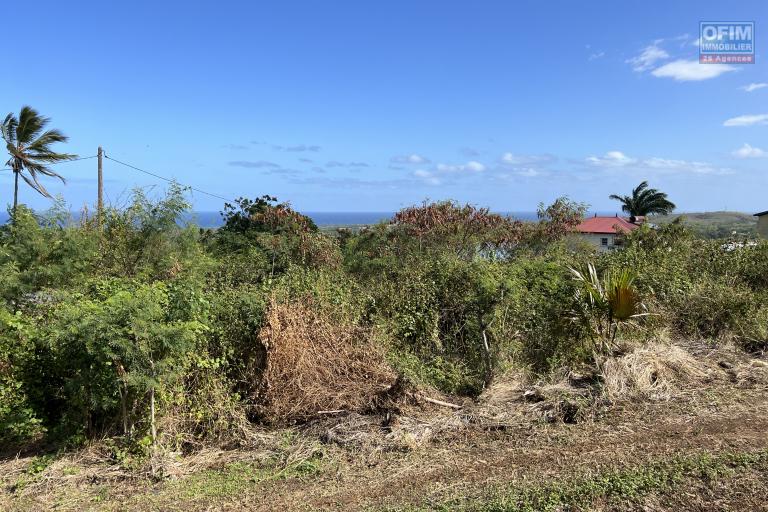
x=605, y=233
x=762, y=224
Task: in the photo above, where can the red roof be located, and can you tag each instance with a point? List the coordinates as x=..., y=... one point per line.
x=606, y=225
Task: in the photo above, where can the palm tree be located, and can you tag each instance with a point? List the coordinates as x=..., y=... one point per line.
x=30, y=149
x=645, y=201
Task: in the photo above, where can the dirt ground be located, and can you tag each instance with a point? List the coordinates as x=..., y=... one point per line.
x=557, y=439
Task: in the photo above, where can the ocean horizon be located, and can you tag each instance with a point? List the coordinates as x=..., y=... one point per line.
x=213, y=219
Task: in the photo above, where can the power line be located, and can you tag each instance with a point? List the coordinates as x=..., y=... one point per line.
x=166, y=179
x=140, y=170
x=61, y=162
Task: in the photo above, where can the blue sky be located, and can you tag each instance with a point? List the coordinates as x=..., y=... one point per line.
x=363, y=106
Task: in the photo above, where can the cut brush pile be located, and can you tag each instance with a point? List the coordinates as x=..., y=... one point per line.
x=653, y=371
x=315, y=365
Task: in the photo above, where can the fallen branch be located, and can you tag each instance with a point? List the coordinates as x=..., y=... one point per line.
x=440, y=402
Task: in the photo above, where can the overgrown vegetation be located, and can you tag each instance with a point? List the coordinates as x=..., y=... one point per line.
x=163, y=336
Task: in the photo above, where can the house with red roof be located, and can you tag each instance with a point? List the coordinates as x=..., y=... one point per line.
x=606, y=233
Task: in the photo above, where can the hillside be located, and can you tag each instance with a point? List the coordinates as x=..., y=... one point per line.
x=714, y=224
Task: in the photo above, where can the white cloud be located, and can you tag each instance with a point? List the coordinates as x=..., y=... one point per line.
x=471, y=166
x=528, y=172
x=442, y=172
x=686, y=166
x=597, y=55
x=754, y=86
x=610, y=159
x=427, y=177
x=747, y=151
x=650, y=55
x=410, y=159
x=520, y=172
x=690, y=70
x=515, y=159
x=747, y=120
x=617, y=159
x=474, y=166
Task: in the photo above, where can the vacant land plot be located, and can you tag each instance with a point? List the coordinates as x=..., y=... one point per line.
x=521, y=446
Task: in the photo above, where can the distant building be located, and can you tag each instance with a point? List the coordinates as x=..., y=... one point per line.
x=762, y=224
x=606, y=233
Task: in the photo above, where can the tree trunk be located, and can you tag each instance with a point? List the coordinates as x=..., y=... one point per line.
x=15, y=191
x=152, y=427
x=132, y=414
x=488, y=361
x=88, y=423
x=124, y=407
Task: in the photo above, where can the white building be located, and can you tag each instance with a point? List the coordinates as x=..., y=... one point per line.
x=762, y=224
x=606, y=233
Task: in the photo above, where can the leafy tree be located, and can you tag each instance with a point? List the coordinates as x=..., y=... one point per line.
x=18, y=421
x=263, y=215
x=30, y=149
x=47, y=250
x=123, y=340
x=645, y=201
x=555, y=222
x=469, y=232
x=463, y=230
x=285, y=235
x=146, y=239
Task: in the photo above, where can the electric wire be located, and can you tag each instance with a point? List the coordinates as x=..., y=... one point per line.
x=169, y=180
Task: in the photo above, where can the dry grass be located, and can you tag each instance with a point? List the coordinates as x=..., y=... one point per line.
x=314, y=365
x=654, y=371
x=36, y=481
x=664, y=399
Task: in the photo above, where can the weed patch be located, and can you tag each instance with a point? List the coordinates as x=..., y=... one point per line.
x=620, y=486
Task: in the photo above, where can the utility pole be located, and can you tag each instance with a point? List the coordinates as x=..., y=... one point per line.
x=100, y=200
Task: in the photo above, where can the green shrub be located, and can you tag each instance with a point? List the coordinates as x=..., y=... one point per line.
x=470, y=318
x=751, y=265
x=712, y=308
x=441, y=310
x=449, y=376
x=284, y=235
x=751, y=332
x=18, y=421
x=604, y=303
x=37, y=252
x=535, y=317
x=147, y=240
x=104, y=353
